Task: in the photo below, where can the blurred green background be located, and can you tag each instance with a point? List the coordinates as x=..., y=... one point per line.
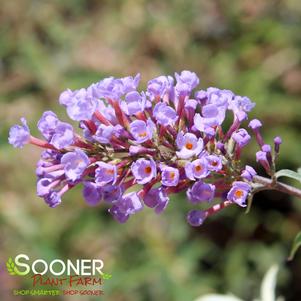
x=250, y=47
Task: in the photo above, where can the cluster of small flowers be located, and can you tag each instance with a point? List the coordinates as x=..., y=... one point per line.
x=160, y=141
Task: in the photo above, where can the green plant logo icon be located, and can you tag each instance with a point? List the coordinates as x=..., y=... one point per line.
x=11, y=268
x=106, y=276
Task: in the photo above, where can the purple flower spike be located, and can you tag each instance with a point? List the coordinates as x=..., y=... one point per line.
x=214, y=163
x=196, y=217
x=248, y=173
x=105, y=173
x=144, y=170
x=164, y=114
x=239, y=193
x=92, y=193
x=19, y=135
x=141, y=130
x=201, y=192
x=157, y=142
x=189, y=145
x=197, y=169
x=156, y=198
x=170, y=176
x=241, y=137
x=75, y=164
x=63, y=135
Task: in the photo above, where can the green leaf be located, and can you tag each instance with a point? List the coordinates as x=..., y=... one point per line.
x=299, y=170
x=288, y=173
x=296, y=245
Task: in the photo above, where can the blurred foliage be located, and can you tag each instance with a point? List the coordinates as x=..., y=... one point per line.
x=251, y=47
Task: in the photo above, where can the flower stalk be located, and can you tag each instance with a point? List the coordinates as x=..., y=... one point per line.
x=270, y=184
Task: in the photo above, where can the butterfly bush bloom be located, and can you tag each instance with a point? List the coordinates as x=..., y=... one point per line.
x=248, y=173
x=128, y=205
x=19, y=135
x=197, y=169
x=196, y=217
x=75, y=163
x=156, y=198
x=239, y=193
x=105, y=173
x=91, y=193
x=63, y=135
x=214, y=163
x=201, y=192
x=141, y=130
x=144, y=170
x=164, y=114
x=47, y=124
x=167, y=139
x=241, y=137
x=170, y=176
x=189, y=145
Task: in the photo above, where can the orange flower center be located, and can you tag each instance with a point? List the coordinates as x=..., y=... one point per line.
x=214, y=163
x=143, y=134
x=147, y=169
x=172, y=175
x=109, y=171
x=198, y=168
x=189, y=145
x=238, y=193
